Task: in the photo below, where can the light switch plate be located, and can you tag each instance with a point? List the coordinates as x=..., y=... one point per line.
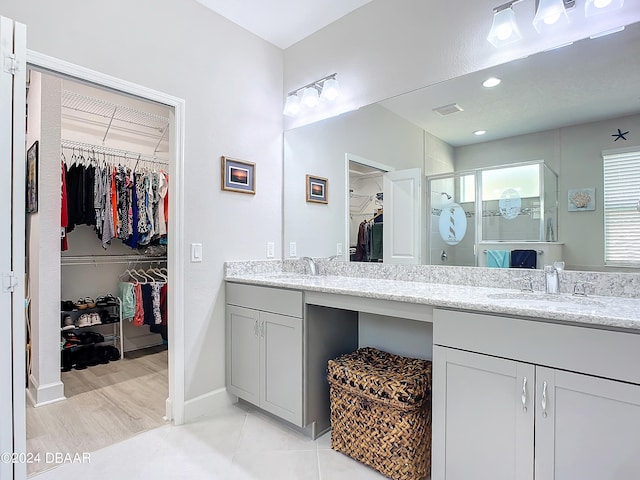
x=338, y=249
x=293, y=250
x=196, y=252
x=271, y=249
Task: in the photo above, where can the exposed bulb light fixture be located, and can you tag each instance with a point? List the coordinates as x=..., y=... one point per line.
x=595, y=7
x=504, y=29
x=326, y=89
x=551, y=12
x=491, y=82
x=549, y=15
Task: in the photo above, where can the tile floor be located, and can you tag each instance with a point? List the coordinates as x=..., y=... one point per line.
x=235, y=443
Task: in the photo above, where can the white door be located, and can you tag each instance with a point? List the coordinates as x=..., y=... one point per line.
x=587, y=428
x=403, y=216
x=483, y=417
x=12, y=213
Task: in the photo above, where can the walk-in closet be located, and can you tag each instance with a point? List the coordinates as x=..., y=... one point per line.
x=98, y=279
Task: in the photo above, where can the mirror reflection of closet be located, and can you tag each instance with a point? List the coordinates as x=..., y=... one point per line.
x=366, y=210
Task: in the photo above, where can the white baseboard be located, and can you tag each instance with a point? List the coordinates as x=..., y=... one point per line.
x=207, y=404
x=39, y=395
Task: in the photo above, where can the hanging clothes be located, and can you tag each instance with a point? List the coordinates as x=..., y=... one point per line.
x=64, y=213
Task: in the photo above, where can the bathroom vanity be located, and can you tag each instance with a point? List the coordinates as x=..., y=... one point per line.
x=525, y=385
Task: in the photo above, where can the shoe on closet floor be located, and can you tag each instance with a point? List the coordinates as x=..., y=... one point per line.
x=84, y=320
x=67, y=306
x=68, y=323
x=112, y=353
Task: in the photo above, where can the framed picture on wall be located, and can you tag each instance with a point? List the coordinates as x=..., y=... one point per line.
x=317, y=189
x=238, y=176
x=32, y=178
x=581, y=199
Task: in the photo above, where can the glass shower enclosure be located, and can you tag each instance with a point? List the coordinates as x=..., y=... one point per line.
x=490, y=206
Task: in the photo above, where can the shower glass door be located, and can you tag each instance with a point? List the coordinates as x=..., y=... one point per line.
x=452, y=219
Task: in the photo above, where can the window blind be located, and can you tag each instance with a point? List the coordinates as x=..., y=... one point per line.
x=621, y=216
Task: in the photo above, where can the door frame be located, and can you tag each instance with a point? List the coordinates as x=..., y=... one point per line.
x=348, y=158
x=175, y=404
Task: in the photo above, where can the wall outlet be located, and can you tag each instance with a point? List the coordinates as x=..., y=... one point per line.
x=293, y=249
x=338, y=249
x=271, y=249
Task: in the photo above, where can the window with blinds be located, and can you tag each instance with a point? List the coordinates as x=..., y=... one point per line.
x=621, y=215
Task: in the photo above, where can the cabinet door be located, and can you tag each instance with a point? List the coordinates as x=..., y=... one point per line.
x=243, y=357
x=588, y=428
x=281, y=366
x=483, y=417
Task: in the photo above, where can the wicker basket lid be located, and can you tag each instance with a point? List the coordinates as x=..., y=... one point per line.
x=401, y=381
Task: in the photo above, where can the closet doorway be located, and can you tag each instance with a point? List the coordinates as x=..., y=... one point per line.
x=98, y=375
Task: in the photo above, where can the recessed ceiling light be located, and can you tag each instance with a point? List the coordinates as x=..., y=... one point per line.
x=491, y=82
x=479, y=132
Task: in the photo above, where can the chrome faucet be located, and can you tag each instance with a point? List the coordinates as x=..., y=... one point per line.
x=552, y=277
x=333, y=257
x=313, y=269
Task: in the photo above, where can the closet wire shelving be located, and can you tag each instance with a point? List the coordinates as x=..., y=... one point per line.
x=157, y=125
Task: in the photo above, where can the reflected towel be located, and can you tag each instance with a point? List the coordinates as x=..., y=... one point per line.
x=524, y=259
x=498, y=258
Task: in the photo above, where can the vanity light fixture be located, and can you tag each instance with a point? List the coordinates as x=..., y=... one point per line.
x=595, y=7
x=504, y=29
x=491, y=82
x=326, y=89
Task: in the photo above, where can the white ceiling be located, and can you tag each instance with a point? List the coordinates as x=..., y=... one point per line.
x=283, y=22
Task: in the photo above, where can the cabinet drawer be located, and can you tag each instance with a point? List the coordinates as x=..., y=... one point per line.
x=598, y=352
x=267, y=299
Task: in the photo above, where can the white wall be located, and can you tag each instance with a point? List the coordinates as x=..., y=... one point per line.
x=575, y=153
x=231, y=81
x=43, y=229
x=386, y=48
x=319, y=149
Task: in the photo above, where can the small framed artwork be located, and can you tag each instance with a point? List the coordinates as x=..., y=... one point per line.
x=32, y=178
x=581, y=200
x=238, y=176
x=317, y=189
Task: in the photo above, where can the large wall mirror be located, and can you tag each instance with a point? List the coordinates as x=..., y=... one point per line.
x=563, y=107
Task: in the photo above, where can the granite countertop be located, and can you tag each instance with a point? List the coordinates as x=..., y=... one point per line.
x=605, y=312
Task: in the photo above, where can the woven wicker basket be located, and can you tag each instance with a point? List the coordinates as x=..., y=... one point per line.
x=381, y=411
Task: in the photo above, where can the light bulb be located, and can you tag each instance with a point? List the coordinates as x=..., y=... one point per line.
x=551, y=19
x=330, y=90
x=310, y=98
x=491, y=82
x=596, y=7
x=504, y=29
x=548, y=13
x=292, y=106
x=601, y=3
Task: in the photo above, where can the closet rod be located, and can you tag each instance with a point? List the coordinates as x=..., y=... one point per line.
x=109, y=259
x=70, y=144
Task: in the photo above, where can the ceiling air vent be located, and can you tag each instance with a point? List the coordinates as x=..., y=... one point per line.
x=448, y=109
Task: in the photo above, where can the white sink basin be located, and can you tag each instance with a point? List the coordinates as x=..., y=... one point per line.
x=543, y=297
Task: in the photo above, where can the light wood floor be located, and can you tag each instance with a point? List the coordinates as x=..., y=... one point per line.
x=105, y=405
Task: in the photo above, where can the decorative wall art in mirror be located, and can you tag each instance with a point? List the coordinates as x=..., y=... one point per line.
x=560, y=107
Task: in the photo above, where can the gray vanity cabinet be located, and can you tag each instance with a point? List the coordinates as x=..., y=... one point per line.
x=264, y=348
x=487, y=405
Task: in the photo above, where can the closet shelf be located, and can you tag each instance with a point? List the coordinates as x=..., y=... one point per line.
x=109, y=110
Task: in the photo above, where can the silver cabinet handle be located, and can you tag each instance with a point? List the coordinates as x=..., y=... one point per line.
x=544, y=399
x=524, y=395
x=262, y=328
x=255, y=328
